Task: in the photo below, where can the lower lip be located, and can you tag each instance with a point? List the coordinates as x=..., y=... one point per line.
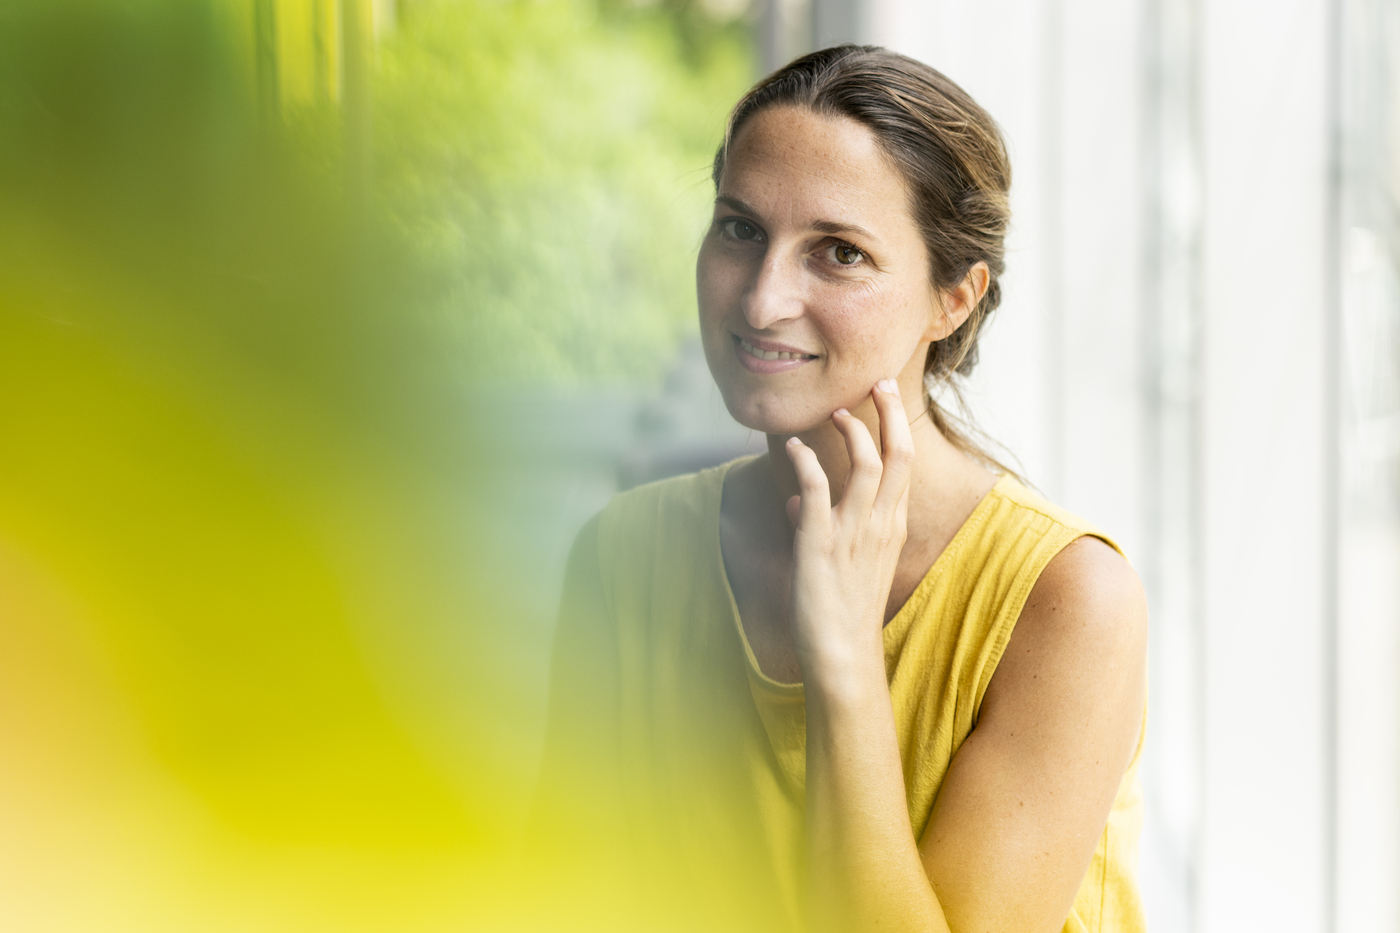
x=755, y=365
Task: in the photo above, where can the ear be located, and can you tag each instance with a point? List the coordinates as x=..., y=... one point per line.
x=958, y=302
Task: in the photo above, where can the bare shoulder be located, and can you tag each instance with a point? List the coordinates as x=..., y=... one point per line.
x=1079, y=647
x=1088, y=596
x=1027, y=797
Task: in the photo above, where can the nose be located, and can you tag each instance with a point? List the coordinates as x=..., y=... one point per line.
x=775, y=293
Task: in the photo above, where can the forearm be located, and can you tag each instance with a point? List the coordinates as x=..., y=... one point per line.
x=864, y=873
x=864, y=870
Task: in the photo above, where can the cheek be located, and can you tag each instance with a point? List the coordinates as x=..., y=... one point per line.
x=866, y=320
x=876, y=330
x=717, y=283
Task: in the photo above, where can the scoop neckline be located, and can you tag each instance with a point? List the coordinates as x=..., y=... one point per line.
x=895, y=628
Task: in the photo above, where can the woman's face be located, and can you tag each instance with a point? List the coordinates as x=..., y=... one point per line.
x=813, y=280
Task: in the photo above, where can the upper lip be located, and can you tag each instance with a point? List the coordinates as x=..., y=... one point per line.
x=772, y=346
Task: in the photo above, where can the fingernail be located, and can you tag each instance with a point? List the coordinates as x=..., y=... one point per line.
x=841, y=411
x=889, y=385
x=794, y=442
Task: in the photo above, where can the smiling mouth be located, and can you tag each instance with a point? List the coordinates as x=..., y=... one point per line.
x=758, y=354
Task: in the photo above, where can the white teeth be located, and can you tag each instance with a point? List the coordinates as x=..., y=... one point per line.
x=754, y=351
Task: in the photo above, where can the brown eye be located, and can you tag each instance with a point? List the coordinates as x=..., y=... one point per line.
x=848, y=255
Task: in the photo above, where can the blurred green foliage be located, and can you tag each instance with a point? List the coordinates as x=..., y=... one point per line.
x=548, y=161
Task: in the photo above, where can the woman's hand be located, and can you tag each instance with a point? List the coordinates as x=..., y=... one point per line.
x=845, y=555
x=1026, y=798
x=864, y=872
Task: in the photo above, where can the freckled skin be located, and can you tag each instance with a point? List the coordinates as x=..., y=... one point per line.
x=799, y=193
x=864, y=321
x=813, y=249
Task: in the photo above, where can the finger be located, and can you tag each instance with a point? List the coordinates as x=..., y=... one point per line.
x=813, y=511
x=864, y=479
x=897, y=448
x=901, y=509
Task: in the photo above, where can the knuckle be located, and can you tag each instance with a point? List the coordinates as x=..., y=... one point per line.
x=901, y=455
x=869, y=469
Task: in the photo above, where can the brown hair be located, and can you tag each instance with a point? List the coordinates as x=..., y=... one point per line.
x=953, y=158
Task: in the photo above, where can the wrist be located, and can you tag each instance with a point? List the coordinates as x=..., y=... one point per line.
x=844, y=674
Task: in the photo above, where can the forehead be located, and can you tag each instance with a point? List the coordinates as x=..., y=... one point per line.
x=807, y=166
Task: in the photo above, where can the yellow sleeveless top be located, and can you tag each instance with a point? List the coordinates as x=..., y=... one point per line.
x=657, y=694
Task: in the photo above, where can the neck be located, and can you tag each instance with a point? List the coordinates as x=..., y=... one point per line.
x=938, y=465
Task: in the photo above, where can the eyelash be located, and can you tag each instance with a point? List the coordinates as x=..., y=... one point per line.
x=727, y=225
x=842, y=244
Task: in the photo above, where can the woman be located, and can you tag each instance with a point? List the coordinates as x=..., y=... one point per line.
x=862, y=682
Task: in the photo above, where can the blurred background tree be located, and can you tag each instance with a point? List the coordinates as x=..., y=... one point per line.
x=547, y=161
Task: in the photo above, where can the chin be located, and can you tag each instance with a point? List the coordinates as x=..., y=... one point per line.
x=770, y=415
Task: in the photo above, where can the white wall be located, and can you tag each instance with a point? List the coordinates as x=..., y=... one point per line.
x=1267, y=501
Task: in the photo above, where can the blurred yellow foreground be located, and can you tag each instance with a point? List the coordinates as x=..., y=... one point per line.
x=260, y=662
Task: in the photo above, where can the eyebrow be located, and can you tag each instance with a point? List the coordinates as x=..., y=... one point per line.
x=821, y=226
